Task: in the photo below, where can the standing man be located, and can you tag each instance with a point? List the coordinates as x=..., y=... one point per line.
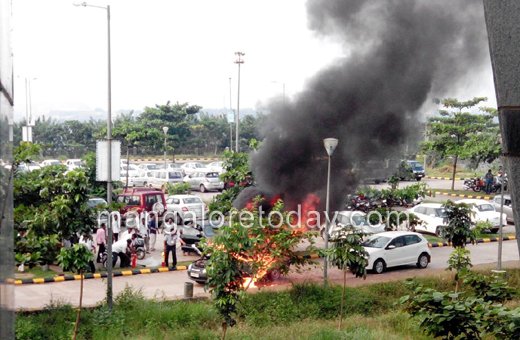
x=116, y=227
x=101, y=241
x=170, y=243
x=143, y=230
x=489, y=181
x=89, y=244
x=152, y=227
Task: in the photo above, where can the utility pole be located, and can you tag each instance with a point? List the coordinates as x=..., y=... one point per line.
x=239, y=61
x=230, y=123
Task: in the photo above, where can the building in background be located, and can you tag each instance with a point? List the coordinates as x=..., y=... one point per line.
x=6, y=187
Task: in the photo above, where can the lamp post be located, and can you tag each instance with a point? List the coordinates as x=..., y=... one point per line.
x=165, y=129
x=109, y=155
x=239, y=61
x=330, y=146
x=230, y=123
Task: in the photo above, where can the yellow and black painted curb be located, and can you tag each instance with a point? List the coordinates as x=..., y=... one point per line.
x=463, y=196
x=482, y=240
x=176, y=159
x=446, y=178
x=98, y=275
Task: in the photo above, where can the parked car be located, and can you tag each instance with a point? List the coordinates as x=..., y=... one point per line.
x=204, y=181
x=433, y=217
x=216, y=166
x=132, y=170
x=161, y=177
x=143, y=179
x=49, y=162
x=73, y=163
x=148, y=166
x=396, y=248
x=173, y=166
x=508, y=208
x=142, y=200
x=191, y=167
x=355, y=218
x=97, y=202
x=187, y=206
x=484, y=211
x=31, y=166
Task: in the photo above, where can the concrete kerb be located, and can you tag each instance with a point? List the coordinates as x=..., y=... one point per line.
x=446, y=178
x=463, y=196
x=179, y=268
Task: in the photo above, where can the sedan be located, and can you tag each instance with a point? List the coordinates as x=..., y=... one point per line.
x=485, y=212
x=357, y=219
x=148, y=166
x=189, y=207
x=216, y=166
x=191, y=167
x=432, y=216
x=204, y=181
x=396, y=248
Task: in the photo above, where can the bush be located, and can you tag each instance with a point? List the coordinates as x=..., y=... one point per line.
x=178, y=189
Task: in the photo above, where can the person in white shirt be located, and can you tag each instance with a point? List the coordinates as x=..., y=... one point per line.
x=127, y=234
x=116, y=228
x=119, y=250
x=170, y=242
x=143, y=230
x=88, y=242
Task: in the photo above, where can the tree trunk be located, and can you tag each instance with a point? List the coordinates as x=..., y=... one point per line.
x=224, y=329
x=342, y=299
x=79, y=310
x=454, y=171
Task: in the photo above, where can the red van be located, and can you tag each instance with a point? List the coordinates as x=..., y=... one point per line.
x=140, y=199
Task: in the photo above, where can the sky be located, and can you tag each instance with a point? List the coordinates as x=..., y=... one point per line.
x=170, y=50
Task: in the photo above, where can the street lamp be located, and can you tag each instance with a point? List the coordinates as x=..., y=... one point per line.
x=109, y=155
x=330, y=146
x=239, y=62
x=165, y=129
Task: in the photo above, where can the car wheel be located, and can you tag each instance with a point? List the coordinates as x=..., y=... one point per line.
x=494, y=230
x=377, y=181
x=202, y=188
x=379, y=266
x=422, y=262
x=274, y=274
x=418, y=179
x=140, y=253
x=439, y=232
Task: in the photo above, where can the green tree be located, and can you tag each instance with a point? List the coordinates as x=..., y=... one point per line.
x=459, y=230
x=76, y=258
x=250, y=246
x=462, y=134
x=346, y=253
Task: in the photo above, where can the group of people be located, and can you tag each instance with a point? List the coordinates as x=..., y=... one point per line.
x=124, y=244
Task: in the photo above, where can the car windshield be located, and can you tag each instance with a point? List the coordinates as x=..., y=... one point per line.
x=485, y=207
x=192, y=200
x=174, y=174
x=152, y=167
x=440, y=213
x=416, y=165
x=199, y=165
x=55, y=163
x=376, y=242
x=212, y=175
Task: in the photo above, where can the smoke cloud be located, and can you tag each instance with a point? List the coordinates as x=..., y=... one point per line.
x=399, y=54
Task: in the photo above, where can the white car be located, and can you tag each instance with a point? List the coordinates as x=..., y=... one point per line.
x=508, y=207
x=433, y=217
x=161, y=177
x=191, y=167
x=143, y=179
x=188, y=207
x=148, y=166
x=485, y=212
x=73, y=163
x=396, y=248
x=132, y=170
x=216, y=166
x=49, y=162
x=204, y=181
x=355, y=218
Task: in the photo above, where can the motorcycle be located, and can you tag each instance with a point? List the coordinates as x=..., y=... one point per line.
x=475, y=184
x=139, y=250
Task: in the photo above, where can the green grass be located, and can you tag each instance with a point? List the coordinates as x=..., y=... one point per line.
x=442, y=172
x=37, y=272
x=306, y=311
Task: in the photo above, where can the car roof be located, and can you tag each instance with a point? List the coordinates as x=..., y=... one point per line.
x=349, y=212
x=506, y=196
x=182, y=196
x=397, y=233
x=429, y=205
x=474, y=201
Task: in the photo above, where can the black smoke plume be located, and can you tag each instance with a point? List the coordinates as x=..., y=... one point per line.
x=399, y=55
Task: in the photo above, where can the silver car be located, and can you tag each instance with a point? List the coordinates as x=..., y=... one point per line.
x=191, y=167
x=204, y=181
x=161, y=177
x=189, y=207
x=508, y=207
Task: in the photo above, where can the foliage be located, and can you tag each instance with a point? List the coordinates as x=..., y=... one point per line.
x=459, y=229
x=346, y=252
x=463, y=134
x=250, y=247
x=178, y=189
x=460, y=261
x=75, y=258
x=491, y=288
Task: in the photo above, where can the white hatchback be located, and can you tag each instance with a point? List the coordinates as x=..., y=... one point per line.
x=396, y=248
x=432, y=216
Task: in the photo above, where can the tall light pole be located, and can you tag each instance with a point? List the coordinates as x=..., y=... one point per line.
x=239, y=61
x=231, y=120
x=165, y=129
x=109, y=155
x=330, y=146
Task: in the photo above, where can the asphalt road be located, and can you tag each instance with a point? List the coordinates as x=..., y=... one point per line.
x=171, y=285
